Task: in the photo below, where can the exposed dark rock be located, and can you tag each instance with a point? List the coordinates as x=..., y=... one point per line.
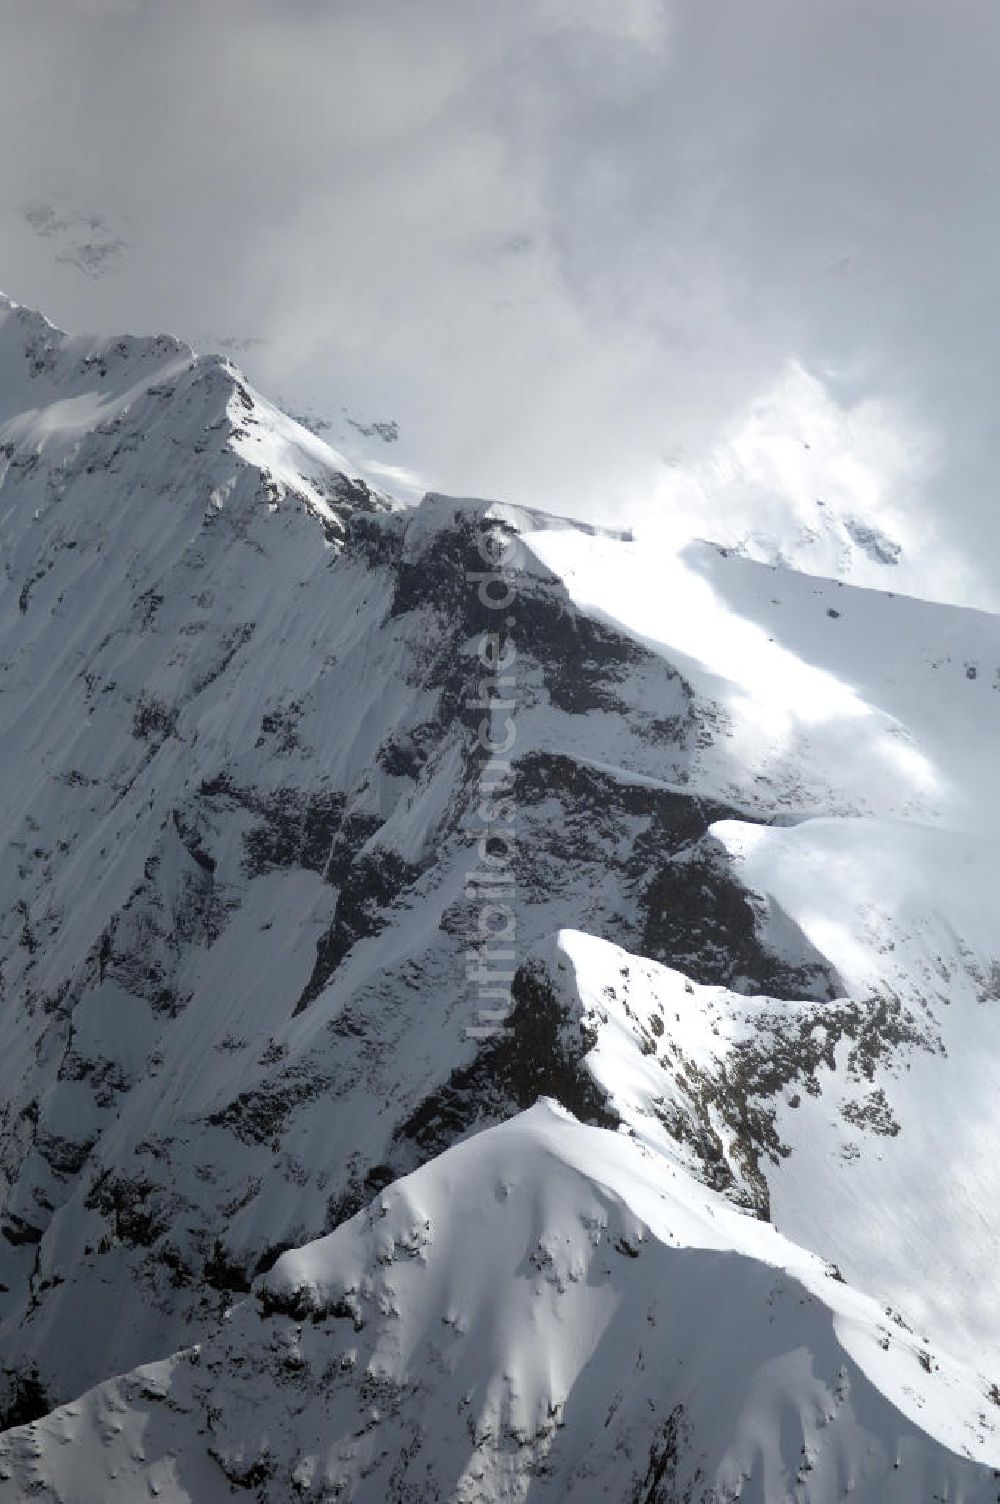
x=18, y=1232
x=542, y=1055
x=138, y=1212
x=788, y=1050
x=372, y=884
x=659, y=1484
x=260, y=1116
x=154, y=719
x=225, y=1273
x=297, y=828
x=700, y=920
x=26, y=1399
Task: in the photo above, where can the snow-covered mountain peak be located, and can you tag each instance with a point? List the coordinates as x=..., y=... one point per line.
x=40, y=364
x=72, y=401
x=655, y=1208
x=839, y=546
x=544, y=1312
x=817, y=480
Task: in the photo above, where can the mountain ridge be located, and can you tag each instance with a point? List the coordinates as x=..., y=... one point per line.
x=750, y=812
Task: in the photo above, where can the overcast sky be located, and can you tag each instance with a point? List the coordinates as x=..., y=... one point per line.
x=568, y=245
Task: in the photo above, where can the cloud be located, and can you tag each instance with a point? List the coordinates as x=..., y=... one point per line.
x=561, y=244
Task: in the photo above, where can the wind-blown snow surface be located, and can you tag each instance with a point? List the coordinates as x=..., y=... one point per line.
x=756, y=825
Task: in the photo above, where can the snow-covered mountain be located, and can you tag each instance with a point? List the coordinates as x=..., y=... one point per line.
x=298, y=786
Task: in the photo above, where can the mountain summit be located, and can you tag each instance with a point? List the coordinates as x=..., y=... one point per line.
x=490, y=1010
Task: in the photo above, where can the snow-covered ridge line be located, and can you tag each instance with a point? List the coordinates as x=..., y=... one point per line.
x=544, y=1312
x=79, y=384
x=756, y=819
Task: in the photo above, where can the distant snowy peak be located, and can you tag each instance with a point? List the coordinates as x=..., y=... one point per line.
x=809, y=536
x=812, y=478
x=853, y=539
x=842, y=547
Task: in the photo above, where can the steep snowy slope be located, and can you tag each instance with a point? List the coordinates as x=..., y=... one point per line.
x=885, y=1162
x=836, y=699
x=545, y=1312
x=245, y=795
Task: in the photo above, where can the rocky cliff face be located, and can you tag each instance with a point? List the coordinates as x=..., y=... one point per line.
x=339, y=835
